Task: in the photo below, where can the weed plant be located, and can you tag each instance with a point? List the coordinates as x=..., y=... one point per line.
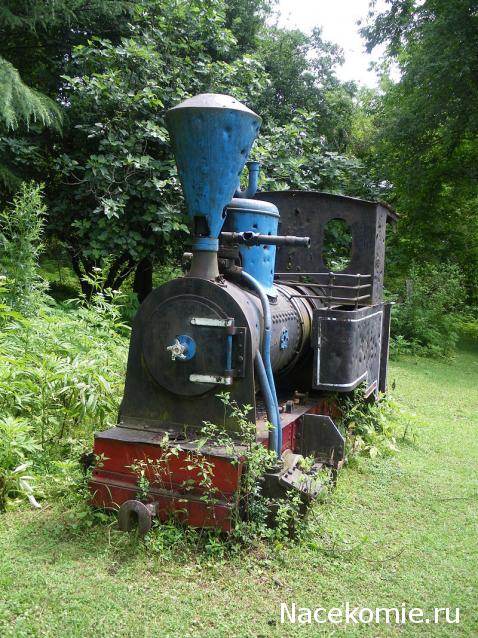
x=427, y=320
x=21, y=231
x=373, y=427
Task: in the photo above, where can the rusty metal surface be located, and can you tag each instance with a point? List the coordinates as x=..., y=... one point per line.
x=120, y=453
x=133, y=514
x=190, y=509
x=175, y=480
x=175, y=439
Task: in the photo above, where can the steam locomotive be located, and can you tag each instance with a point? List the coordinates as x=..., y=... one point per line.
x=258, y=315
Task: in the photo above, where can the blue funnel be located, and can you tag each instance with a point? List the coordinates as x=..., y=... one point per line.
x=212, y=136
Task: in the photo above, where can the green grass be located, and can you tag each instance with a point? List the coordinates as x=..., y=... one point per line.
x=397, y=530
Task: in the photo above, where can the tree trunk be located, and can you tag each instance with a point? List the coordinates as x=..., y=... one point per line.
x=143, y=278
x=76, y=263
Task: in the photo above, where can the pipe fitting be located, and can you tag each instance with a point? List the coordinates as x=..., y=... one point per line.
x=253, y=168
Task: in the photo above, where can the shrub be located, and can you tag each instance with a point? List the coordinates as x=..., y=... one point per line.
x=426, y=321
x=373, y=428
x=16, y=450
x=63, y=371
x=468, y=326
x=21, y=229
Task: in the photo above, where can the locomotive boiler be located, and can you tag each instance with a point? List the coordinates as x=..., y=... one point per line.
x=259, y=315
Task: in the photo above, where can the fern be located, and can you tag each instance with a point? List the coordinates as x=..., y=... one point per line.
x=21, y=104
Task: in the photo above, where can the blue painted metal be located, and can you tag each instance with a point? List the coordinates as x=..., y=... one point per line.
x=190, y=345
x=229, y=353
x=266, y=353
x=206, y=243
x=284, y=339
x=212, y=136
x=256, y=216
x=253, y=168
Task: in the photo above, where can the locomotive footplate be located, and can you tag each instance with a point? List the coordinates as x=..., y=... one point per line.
x=306, y=433
x=292, y=476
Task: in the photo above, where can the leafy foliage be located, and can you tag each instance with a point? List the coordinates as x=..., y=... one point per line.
x=118, y=194
x=373, y=428
x=62, y=371
x=295, y=155
x=427, y=141
x=426, y=320
x=21, y=230
x=110, y=179
x=16, y=449
x=37, y=39
x=21, y=104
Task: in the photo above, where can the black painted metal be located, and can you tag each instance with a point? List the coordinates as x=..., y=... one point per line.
x=382, y=381
x=158, y=392
x=306, y=213
x=295, y=317
x=326, y=334
x=319, y=437
x=347, y=346
x=256, y=239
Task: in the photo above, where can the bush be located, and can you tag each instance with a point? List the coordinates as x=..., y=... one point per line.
x=468, y=326
x=21, y=229
x=61, y=367
x=16, y=450
x=373, y=428
x=426, y=321
x=63, y=371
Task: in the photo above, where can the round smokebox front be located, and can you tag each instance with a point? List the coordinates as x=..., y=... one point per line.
x=186, y=344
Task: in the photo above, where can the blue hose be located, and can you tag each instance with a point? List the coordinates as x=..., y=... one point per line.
x=266, y=351
x=268, y=400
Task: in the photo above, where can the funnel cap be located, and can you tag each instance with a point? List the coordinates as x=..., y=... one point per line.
x=214, y=101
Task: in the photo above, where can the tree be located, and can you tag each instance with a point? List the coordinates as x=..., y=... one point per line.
x=36, y=42
x=117, y=197
x=296, y=155
x=246, y=21
x=110, y=180
x=427, y=143
x=301, y=70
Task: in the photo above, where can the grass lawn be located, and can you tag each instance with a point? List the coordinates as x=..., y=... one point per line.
x=397, y=530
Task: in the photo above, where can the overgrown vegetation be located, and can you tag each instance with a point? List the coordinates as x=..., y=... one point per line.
x=427, y=319
x=61, y=365
x=367, y=545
